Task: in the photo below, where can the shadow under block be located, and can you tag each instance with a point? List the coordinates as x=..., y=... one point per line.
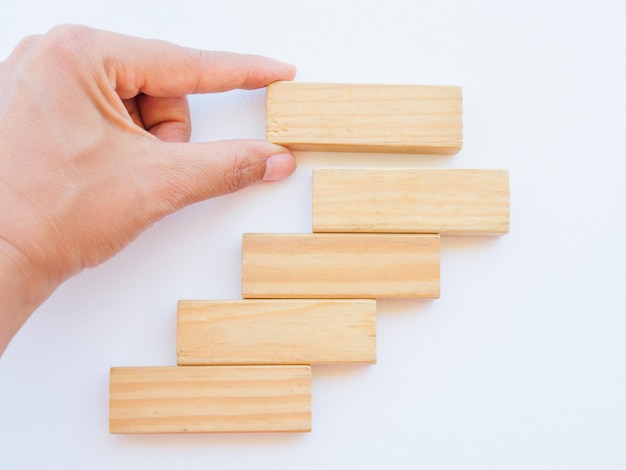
x=365, y=118
x=209, y=399
x=276, y=332
x=333, y=266
x=458, y=202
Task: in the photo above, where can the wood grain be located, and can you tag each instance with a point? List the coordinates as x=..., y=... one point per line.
x=209, y=399
x=276, y=332
x=365, y=118
x=340, y=266
x=402, y=200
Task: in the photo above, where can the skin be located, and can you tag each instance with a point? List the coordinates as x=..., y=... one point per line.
x=94, y=131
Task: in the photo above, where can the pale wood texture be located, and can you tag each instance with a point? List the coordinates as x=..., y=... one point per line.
x=457, y=202
x=276, y=332
x=209, y=399
x=340, y=266
x=365, y=118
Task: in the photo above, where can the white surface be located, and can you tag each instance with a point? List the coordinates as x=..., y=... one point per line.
x=520, y=364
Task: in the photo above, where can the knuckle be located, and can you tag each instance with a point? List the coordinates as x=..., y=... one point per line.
x=67, y=42
x=244, y=170
x=236, y=177
x=202, y=58
x=26, y=45
x=71, y=32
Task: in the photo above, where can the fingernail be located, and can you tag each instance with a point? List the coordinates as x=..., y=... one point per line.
x=279, y=166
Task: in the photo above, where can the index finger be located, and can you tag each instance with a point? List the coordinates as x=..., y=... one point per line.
x=162, y=69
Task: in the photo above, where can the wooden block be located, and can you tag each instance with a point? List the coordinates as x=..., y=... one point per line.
x=461, y=202
x=209, y=399
x=340, y=266
x=365, y=118
x=276, y=332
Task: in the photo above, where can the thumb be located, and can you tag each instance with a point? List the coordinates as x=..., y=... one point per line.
x=191, y=172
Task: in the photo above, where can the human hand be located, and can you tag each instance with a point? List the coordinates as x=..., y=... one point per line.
x=94, y=130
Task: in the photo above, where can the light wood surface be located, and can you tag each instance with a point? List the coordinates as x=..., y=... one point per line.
x=403, y=200
x=276, y=332
x=340, y=266
x=362, y=118
x=209, y=399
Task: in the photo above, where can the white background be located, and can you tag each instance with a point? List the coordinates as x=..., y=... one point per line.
x=519, y=365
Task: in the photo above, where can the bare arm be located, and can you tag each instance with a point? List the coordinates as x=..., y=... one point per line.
x=94, y=130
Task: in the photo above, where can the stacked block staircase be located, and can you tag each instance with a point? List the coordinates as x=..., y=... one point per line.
x=245, y=365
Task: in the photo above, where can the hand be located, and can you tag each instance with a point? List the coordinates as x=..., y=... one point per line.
x=94, y=131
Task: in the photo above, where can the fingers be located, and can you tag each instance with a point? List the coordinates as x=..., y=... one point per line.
x=166, y=118
x=162, y=69
x=152, y=77
x=187, y=173
x=133, y=111
x=158, y=68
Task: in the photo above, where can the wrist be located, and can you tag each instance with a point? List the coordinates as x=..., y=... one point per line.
x=22, y=290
